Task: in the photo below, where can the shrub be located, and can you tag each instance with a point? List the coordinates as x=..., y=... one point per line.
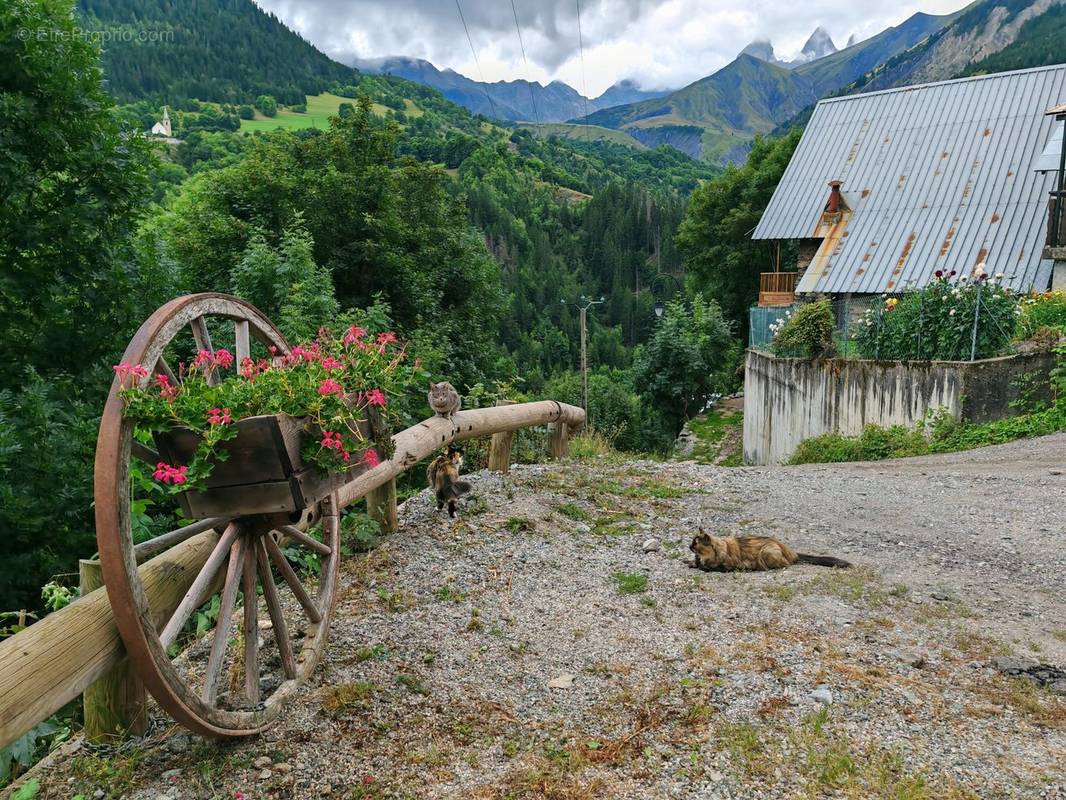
x=246, y=112
x=806, y=333
x=267, y=104
x=1042, y=309
x=937, y=321
x=873, y=444
x=299, y=108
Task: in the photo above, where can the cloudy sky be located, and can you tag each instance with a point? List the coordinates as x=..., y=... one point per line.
x=659, y=43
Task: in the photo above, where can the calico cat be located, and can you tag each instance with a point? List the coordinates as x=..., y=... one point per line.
x=443, y=477
x=737, y=553
x=443, y=399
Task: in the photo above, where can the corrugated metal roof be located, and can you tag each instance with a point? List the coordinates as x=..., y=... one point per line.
x=937, y=176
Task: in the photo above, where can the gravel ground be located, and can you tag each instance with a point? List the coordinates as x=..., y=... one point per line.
x=533, y=648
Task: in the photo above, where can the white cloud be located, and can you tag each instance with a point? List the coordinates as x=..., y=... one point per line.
x=658, y=43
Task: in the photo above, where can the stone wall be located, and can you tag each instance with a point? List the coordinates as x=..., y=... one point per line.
x=787, y=400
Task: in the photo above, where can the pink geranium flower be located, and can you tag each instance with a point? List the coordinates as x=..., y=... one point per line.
x=375, y=398
x=354, y=334
x=330, y=386
x=166, y=473
x=370, y=458
x=219, y=416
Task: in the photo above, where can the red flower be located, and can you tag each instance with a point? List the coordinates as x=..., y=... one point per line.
x=330, y=363
x=167, y=390
x=354, y=334
x=222, y=358
x=330, y=386
x=125, y=370
x=370, y=458
x=167, y=474
x=219, y=416
x=387, y=338
x=375, y=398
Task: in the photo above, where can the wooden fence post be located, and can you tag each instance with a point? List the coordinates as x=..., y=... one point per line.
x=381, y=506
x=560, y=442
x=500, y=446
x=115, y=704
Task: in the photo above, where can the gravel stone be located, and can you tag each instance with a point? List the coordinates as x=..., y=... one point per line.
x=666, y=679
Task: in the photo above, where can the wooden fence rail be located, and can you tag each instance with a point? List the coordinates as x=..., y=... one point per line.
x=50, y=663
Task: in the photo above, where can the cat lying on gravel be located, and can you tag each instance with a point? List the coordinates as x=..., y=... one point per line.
x=746, y=553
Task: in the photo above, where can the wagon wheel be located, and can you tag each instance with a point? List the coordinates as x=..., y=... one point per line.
x=244, y=558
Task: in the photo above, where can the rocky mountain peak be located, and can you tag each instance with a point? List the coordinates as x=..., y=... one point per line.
x=819, y=44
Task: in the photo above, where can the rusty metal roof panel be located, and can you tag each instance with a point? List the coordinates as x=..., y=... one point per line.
x=937, y=176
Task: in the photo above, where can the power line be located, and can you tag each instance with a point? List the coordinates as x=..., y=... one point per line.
x=584, y=84
x=477, y=63
x=521, y=44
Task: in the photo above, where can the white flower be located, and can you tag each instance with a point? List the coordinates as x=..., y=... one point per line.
x=979, y=270
x=951, y=313
x=999, y=276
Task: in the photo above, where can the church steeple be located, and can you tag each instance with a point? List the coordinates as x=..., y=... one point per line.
x=166, y=121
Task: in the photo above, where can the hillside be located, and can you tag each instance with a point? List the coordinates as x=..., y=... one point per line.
x=225, y=51
x=716, y=117
x=513, y=101
x=1029, y=32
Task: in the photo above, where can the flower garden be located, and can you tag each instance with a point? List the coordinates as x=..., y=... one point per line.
x=953, y=318
x=339, y=386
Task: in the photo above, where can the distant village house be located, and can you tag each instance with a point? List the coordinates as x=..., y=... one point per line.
x=887, y=188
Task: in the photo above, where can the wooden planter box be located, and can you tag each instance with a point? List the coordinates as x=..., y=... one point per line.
x=264, y=473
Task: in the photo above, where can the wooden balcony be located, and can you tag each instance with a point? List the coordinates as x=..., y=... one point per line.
x=1055, y=247
x=777, y=289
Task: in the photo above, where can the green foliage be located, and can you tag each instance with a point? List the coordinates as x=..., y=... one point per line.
x=47, y=439
x=937, y=322
x=286, y=284
x=246, y=112
x=359, y=532
x=680, y=367
x=24, y=751
x=616, y=409
x=715, y=236
x=267, y=105
x=807, y=333
x=57, y=596
x=73, y=185
x=380, y=225
x=228, y=52
x=1042, y=310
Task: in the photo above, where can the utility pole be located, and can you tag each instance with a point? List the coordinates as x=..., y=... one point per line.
x=583, y=317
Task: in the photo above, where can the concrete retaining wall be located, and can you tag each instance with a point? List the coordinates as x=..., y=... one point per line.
x=787, y=400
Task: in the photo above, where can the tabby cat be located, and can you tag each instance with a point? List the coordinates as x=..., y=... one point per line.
x=737, y=553
x=443, y=477
x=443, y=399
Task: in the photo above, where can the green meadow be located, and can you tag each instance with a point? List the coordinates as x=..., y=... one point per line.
x=320, y=108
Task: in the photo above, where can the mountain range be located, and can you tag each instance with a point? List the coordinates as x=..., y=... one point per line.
x=513, y=101
x=714, y=118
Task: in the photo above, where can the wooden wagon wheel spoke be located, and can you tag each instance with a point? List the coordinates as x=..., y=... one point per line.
x=291, y=578
x=241, y=340
x=300, y=537
x=188, y=686
x=194, y=597
x=251, y=625
x=273, y=604
x=202, y=338
x=145, y=550
x=226, y=606
x=144, y=453
x=163, y=368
